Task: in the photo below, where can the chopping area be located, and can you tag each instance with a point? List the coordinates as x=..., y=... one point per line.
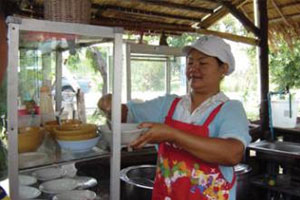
x=145, y=99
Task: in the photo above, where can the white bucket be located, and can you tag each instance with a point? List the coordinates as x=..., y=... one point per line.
x=281, y=113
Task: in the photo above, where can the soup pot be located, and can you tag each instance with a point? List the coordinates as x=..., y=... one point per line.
x=137, y=182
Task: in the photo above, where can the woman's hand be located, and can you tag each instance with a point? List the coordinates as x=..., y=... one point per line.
x=157, y=133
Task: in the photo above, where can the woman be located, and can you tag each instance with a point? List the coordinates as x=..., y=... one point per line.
x=200, y=135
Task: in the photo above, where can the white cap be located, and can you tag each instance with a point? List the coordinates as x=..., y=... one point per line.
x=213, y=46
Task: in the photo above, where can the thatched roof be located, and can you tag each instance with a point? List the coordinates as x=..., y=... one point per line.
x=178, y=16
x=283, y=16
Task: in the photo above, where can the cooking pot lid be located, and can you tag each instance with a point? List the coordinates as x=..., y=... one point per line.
x=242, y=168
x=140, y=176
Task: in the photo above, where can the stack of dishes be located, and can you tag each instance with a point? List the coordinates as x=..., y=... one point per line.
x=69, y=188
x=26, y=191
x=77, y=138
x=56, y=184
x=51, y=125
x=27, y=180
x=49, y=173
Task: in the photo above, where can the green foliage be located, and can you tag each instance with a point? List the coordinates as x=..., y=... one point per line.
x=3, y=95
x=184, y=39
x=3, y=105
x=3, y=162
x=73, y=61
x=284, y=66
x=30, y=76
x=147, y=76
x=231, y=25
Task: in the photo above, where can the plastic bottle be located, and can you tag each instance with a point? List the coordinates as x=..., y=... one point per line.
x=46, y=106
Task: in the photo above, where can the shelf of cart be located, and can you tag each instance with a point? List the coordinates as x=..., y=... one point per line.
x=263, y=181
x=63, y=157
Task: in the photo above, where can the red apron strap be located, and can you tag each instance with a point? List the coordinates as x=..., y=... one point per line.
x=173, y=106
x=233, y=180
x=212, y=115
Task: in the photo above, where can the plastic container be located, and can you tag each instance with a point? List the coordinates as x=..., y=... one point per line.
x=281, y=116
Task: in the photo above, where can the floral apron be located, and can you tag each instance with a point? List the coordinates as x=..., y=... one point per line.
x=182, y=176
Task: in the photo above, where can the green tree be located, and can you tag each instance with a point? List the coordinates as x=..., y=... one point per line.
x=284, y=65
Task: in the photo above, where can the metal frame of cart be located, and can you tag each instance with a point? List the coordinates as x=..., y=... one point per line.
x=15, y=25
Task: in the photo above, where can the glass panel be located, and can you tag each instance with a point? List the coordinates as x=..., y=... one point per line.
x=178, y=78
x=81, y=58
x=147, y=76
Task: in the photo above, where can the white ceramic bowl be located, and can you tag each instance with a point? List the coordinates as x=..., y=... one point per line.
x=27, y=192
x=49, y=173
x=76, y=195
x=58, y=186
x=27, y=180
x=79, y=145
x=129, y=132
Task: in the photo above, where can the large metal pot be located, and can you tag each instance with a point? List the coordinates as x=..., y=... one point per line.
x=243, y=183
x=137, y=182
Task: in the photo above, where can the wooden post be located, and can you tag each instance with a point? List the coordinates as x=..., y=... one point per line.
x=263, y=63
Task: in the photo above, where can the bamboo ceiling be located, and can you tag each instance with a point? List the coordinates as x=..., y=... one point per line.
x=179, y=16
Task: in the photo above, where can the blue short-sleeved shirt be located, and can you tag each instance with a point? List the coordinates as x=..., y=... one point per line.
x=230, y=122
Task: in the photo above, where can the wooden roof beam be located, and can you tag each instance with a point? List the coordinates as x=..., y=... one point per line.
x=177, y=6
x=230, y=36
x=144, y=12
x=148, y=26
x=217, y=15
x=241, y=17
x=142, y=25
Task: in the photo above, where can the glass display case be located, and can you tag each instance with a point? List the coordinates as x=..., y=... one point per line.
x=43, y=91
x=154, y=71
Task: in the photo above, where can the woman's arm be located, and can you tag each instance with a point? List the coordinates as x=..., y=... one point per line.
x=153, y=110
x=224, y=151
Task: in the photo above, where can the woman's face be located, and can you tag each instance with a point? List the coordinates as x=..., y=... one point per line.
x=204, y=72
